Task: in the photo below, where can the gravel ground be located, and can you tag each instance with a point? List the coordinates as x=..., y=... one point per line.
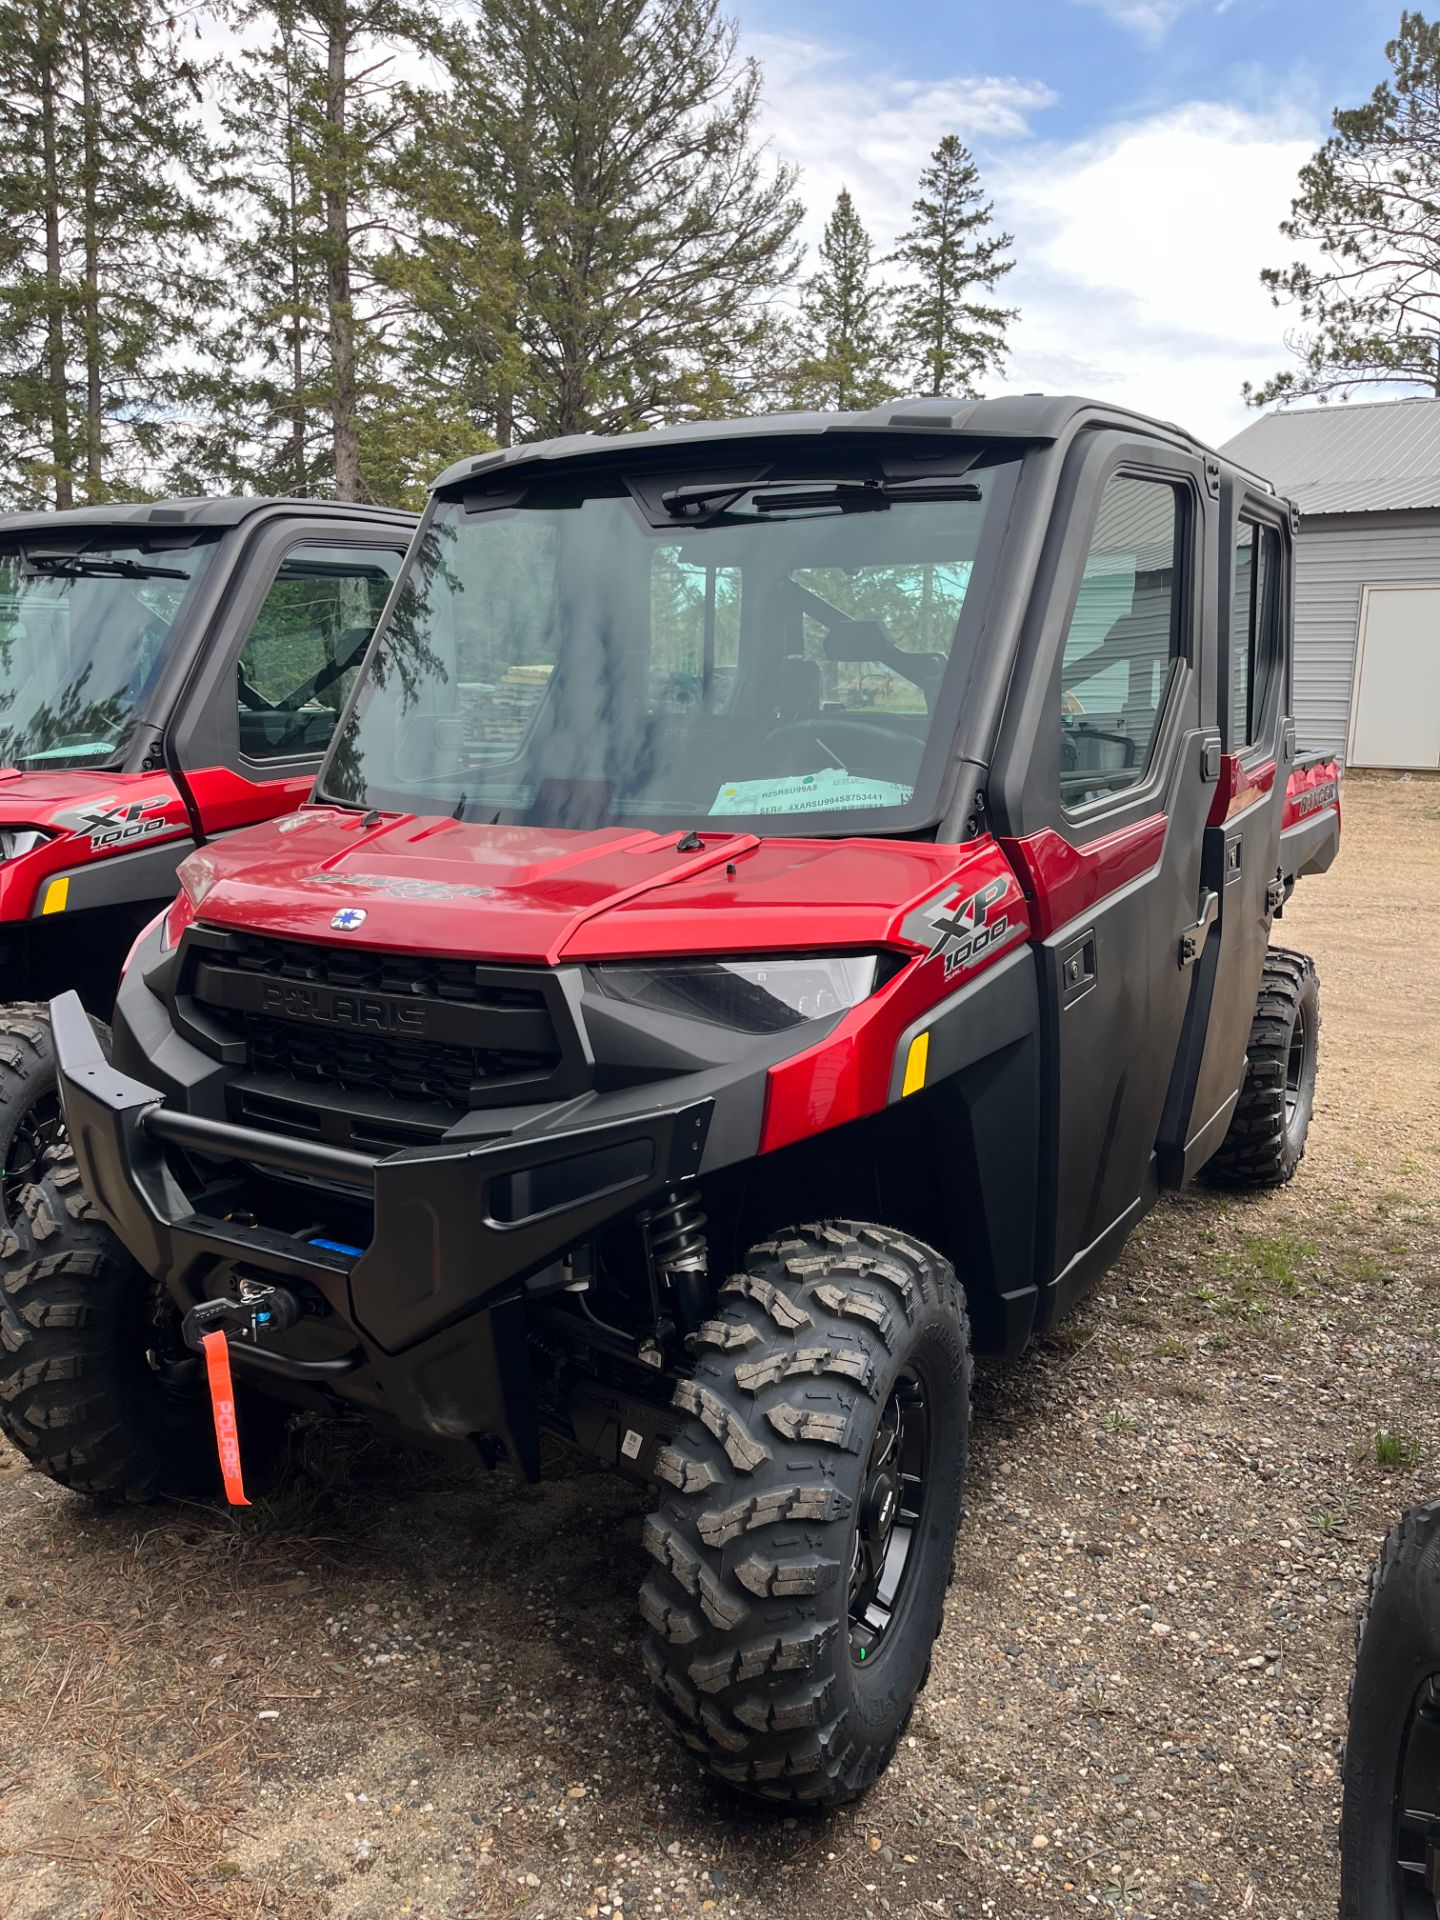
x=397, y=1692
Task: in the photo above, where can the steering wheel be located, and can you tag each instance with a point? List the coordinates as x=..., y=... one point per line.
x=866, y=748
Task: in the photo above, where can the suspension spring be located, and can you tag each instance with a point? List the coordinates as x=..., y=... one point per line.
x=680, y=1254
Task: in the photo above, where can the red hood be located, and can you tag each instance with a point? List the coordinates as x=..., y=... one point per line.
x=538, y=894
x=41, y=799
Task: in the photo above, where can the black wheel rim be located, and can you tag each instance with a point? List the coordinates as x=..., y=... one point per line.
x=41, y=1128
x=1296, y=1062
x=887, y=1523
x=1417, y=1807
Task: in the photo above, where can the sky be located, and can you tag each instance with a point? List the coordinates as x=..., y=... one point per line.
x=1142, y=152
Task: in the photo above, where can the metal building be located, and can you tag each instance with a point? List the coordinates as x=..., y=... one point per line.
x=1366, y=477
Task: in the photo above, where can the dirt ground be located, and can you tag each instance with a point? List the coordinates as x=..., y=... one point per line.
x=398, y=1692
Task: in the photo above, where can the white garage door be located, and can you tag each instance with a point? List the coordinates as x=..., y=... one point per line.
x=1397, y=679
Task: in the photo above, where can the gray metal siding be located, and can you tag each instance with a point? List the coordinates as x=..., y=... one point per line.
x=1336, y=556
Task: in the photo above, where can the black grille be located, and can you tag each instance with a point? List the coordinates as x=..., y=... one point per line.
x=442, y=1033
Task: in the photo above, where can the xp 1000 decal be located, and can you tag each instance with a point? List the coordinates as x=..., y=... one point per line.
x=962, y=927
x=116, y=823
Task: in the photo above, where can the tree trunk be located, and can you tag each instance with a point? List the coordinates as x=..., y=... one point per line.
x=337, y=228
x=57, y=378
x=94, y=411
x=516, y=220
x=299, y=475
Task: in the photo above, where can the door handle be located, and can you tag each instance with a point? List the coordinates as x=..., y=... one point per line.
x=1192, y=941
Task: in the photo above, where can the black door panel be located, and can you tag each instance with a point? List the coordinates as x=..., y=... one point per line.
x=1242, y=842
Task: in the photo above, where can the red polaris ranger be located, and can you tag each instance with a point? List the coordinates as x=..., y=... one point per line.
x=168, y=671
x=780, y=894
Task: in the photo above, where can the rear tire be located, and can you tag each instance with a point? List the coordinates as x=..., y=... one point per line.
x=1266, y=1138
x=1392, y=1751
x=83, y=1335
x=819, y=1470
x=31, y=1121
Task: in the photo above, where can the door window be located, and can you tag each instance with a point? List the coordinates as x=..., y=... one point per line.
x=309, y=637
x=1254, y=630
x=1124, y=638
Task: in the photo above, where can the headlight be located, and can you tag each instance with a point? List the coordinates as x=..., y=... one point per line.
x=17, y=840
x=754, y=996
x=197, y=875
x=144, y=934
x=173, y=922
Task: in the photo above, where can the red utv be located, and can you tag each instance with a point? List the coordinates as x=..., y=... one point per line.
x=780, y=895
x=168, y=672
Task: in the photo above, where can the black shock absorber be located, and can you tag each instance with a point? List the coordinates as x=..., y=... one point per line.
x=680, y=1254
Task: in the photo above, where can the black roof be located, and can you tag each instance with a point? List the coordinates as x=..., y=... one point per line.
x=1026, y=416
x=223, y=510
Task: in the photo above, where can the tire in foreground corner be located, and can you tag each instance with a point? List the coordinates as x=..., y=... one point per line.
x=1390, y=1813
x=827, y=1419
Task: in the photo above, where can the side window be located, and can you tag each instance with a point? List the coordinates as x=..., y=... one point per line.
x=309, y=637
x=1123, y=640
x=1254, y=630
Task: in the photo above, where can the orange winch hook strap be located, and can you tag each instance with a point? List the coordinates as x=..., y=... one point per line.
x=222, y=1405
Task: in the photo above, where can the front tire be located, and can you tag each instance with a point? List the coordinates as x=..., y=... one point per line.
x=31, y=1122
x=806, y=1548
x=1390, y=1816
x=87, y=1351
x=1265, y=1141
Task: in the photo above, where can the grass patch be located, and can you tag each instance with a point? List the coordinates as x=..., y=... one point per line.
x=1252, y=1276
x=1282, y=1260
x=1396, y=1452
x=1173, y=1349
x=1117, y=1422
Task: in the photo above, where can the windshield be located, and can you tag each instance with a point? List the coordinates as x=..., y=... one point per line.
x=674, y=656
x=83, y=638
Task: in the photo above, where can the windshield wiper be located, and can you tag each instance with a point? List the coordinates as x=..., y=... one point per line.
x=685, y=500
x=850, y=496
x=79, y=566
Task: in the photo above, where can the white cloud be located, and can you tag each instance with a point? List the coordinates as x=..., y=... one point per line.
x=872, y=132
x=1139, y=249
x=1150, y=19
x=1140, y=254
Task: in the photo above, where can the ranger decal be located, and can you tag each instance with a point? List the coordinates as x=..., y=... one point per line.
x=1311, y=799
x=399, y=889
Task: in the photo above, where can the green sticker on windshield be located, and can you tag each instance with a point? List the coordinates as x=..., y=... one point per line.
x=832, y=790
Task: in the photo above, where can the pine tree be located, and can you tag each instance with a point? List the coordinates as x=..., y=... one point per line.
x=454, y=275
x=1369, y=206
x=848, y=354
x=261, y=401
x=315, y=112
x=618, y=228
x=953, y=337
x=101, y=265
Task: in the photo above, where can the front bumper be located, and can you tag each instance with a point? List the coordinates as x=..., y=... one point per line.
x=426, y=1323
